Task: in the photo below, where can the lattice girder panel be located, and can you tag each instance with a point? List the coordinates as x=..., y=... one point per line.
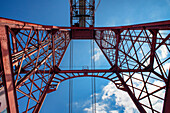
x=129, y=48
x=32, y=51
x=147, y=88
x=66, y=74
x=146, y=53
x=106, y=40
x=82, y=13
x=162, y=55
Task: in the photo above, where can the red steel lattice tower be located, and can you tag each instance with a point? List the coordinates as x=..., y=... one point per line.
x=30, y=55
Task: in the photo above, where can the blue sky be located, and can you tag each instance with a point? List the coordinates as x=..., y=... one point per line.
x=109, y=13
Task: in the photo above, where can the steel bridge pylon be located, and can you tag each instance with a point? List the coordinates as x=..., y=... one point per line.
x=31, y=55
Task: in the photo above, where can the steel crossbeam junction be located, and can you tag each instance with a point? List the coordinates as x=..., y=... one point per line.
x=30, y=56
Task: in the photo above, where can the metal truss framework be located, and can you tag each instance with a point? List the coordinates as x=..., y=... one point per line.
x=31, y=55
x=82, y=13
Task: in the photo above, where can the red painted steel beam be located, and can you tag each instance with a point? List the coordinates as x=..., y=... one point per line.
x=153, y=45
x=8, y=71
x=53, y=50
x=82, y=34
x=87, y=71
x=166, y=108
x=12, y=21
x=135, y=100
x=118, y=38
x=86, y=75
x=71, y=12
x=77, y=76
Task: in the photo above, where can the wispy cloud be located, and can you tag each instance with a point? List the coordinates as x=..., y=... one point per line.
x=166, y=66
x=168, y=1
x=100, y=108
x=114, y=111
x=122, y=98
x=163, y=52
x=95, y=94
x=97, y=54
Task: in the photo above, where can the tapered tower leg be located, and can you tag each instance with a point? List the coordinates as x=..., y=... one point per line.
x=134, y=99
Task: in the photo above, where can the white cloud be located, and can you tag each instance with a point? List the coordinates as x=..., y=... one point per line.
x=100, y=108
x=97, y=94
x=108, y=91
x=166, y=66
x=96, y=56
x=122, y=98
x=113, y=111
x=163, y=52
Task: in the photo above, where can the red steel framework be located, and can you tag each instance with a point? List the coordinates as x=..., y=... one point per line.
x=31, y=55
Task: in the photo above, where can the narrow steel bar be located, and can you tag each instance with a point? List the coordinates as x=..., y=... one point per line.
x=71, y=12
x=118, y=38
x=26, y=95
x=164, y=40
x=53, y=49
x=153, y=45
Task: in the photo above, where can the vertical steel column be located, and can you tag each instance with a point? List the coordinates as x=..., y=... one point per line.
x=118, y=37
x=154, y=33
x=8, y=74
x=53, y=48
x=166, y=108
